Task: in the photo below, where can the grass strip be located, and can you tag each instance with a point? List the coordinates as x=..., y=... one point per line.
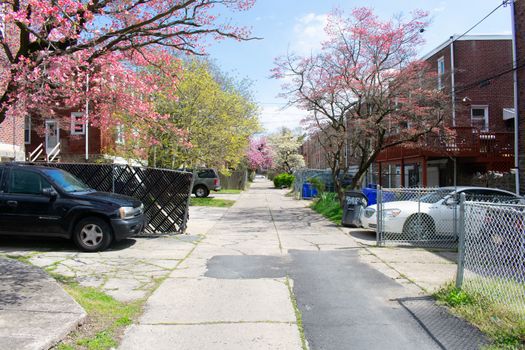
x=211, y=202
x=298, y=316
x=230, y=191
x=328, y=205
x=505, y=328
x=107, y=318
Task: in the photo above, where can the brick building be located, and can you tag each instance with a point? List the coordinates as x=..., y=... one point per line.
x=482, y=116
x=12, y=139
x=65, y=136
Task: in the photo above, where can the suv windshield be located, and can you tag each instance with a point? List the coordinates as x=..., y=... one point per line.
x=66, y=181
x=434, y=197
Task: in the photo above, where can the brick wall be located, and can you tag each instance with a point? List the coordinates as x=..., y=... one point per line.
x=72, y=147
x=519, y=7
x=10, y=137
x=475, y=60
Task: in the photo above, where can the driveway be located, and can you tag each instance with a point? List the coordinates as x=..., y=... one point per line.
x=129, y=270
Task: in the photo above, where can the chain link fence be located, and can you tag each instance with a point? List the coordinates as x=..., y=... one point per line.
x=422, y=217
x=491, y=261
x=302, y=176
x=165, y=193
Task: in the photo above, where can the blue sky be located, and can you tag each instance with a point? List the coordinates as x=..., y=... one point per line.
x=297, y=26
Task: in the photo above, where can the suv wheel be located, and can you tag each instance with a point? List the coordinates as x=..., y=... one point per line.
x=92, y=234
x=201, y=192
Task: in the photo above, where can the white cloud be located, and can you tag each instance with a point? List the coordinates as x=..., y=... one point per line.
x=273, y=117
x=309, y=33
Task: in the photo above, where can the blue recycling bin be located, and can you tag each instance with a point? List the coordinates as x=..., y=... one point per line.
x=371, y=195
x=309, y=191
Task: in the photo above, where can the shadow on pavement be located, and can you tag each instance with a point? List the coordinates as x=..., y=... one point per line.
x=18, y=281
x=368, y=236
x=41, y=244
x=448, y=331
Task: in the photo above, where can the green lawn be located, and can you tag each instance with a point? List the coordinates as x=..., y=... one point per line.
x=211, y=202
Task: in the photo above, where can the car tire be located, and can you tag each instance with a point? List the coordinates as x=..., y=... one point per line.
x=419, y=227
x=92, y=234
x=201, y=192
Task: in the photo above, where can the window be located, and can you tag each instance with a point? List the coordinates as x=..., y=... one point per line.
x=78, y=127
x=119, y=137
x=441, y=73
x=26, y=182
x=480, y=117
x=27, y=130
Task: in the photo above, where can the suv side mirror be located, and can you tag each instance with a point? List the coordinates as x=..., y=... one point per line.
x=50, y=192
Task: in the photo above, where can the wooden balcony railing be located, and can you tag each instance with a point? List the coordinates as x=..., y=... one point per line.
x=465, y=142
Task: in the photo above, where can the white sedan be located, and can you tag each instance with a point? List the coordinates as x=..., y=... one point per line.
x=432, y=213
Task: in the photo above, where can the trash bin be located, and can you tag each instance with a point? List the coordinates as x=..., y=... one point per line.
x=371, y=195
x=309, y=190
x=354, y=204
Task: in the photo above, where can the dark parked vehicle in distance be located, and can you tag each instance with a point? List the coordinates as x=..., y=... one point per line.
x=49, y=202
x=206, y=180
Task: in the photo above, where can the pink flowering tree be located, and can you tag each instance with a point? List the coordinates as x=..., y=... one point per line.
x=260, y=155
x=50, y=47
x=365, y=89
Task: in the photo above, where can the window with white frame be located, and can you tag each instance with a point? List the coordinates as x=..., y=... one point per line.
x=27, y=130
x=441, y=73
x=479, y=117
x=119, y=137
x=78, y=125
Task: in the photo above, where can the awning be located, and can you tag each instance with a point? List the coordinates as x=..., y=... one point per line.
x=508, y=113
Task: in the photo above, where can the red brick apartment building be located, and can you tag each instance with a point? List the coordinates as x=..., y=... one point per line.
x=51, y=139
x=12, y=139
x=482, y=117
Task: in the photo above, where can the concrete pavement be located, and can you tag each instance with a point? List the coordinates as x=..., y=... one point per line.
x=271, y=274
x=35, y=313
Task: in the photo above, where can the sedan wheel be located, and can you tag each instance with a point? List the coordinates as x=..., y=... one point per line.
x=419, y=227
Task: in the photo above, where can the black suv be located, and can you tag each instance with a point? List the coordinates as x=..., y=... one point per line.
x=43, y=201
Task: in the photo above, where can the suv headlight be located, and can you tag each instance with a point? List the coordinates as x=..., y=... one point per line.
x=126, y=212
x=391, y=213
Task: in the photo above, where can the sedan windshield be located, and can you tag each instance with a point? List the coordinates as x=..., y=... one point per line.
x=66, y=181
x=434, y=197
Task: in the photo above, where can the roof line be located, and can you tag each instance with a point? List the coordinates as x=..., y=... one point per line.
x=466, y=38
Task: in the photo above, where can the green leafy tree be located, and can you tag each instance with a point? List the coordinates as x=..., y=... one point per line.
x=217, y=119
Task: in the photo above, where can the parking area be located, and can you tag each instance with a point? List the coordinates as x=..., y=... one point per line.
x=128, y=270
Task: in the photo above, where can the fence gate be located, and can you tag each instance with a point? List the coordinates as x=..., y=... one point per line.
x=419, y=217
x=165, y=193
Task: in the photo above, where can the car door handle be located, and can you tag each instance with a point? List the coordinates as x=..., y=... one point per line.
x=12, y=204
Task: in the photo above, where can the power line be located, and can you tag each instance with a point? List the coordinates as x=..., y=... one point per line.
x=503, y=3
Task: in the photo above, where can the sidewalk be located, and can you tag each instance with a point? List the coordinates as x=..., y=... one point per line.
x=35, y=313
x=268, y=261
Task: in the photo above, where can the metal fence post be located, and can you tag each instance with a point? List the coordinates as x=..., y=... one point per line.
x=461, y=248
x=379, y=215
x=113, y=178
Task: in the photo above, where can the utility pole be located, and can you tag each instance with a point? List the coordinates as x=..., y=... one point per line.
x=518, y=28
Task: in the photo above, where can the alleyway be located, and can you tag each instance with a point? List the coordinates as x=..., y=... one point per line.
x=270, y=265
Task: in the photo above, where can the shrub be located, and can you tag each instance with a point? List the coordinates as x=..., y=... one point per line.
x=283, y=180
